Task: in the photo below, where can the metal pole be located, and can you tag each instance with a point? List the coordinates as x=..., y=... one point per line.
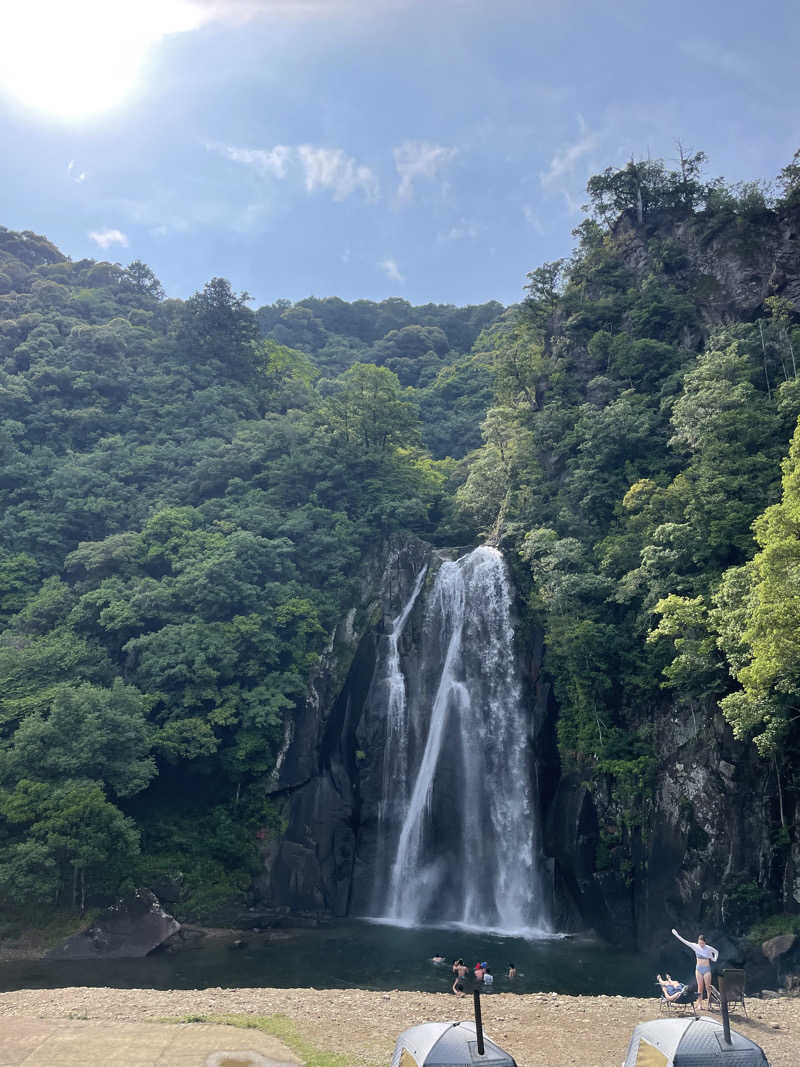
x=726, y=1023
x=476, y=999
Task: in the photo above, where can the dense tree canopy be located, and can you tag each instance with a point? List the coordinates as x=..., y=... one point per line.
x=188, y=489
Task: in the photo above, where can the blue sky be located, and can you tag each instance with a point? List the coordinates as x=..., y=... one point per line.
x=431, y=149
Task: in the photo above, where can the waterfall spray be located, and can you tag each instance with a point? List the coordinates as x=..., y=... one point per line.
x=458, y=826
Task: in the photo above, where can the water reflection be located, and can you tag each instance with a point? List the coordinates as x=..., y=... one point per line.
x=361, y=955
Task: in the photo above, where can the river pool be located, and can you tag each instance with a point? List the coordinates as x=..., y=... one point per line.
x=364, y=955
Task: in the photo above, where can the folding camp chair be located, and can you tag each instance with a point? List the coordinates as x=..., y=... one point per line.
x=731, y=982
x=679, y=1004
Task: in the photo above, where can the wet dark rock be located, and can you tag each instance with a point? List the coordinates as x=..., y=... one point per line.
x=309, y=873
x=778, y=946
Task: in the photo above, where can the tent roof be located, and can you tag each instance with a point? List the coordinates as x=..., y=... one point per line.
x=435, y=1044
x=694, y=1041
x=665, y=1034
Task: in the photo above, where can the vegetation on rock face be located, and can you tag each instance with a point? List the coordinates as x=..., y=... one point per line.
x=188, y=489
x=644, y=397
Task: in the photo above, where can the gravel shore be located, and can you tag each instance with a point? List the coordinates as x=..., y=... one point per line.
x=538, y=1029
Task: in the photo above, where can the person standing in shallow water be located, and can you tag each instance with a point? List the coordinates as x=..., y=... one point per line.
x=704, y=954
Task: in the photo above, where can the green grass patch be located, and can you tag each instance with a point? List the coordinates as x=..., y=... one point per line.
x=285, y=1030
x=41, y=928
x=773, y=925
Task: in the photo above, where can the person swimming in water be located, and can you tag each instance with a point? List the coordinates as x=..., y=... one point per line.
x=512, y=971
x=438, y=958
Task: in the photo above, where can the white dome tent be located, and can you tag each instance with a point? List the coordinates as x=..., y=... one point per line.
x=447, y=1045
x=691, y=1043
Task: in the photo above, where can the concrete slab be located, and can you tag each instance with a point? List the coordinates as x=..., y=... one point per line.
x=89, y=1043
x=21, y=1037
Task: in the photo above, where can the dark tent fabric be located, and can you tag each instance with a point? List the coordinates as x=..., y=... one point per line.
x=691, y=1043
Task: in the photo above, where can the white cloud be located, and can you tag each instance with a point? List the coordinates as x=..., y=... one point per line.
x=273, y=161
x=330, y=168
x=74, y=171
x=463, y=230
x=391, y=270
x=106, y=238
x=532, y=219
x=419, y=159
x=567, y=171
x=316, y=166
x=244, y=10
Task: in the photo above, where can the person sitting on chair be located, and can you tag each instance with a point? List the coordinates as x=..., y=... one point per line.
x=670, y=989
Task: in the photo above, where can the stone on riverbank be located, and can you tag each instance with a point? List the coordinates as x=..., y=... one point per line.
x=131, y=928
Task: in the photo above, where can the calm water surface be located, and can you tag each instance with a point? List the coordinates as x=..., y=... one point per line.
x=359, y=954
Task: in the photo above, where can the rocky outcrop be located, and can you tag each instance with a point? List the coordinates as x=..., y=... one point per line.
x=310, y=868
x=778, y=947
x=132, y=927
x=730, y=262
x=684, y=857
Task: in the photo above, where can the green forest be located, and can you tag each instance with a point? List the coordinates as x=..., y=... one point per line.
x=188, y=490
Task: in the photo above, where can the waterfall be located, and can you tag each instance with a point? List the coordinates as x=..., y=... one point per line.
x=395, y=762
x=458, y=822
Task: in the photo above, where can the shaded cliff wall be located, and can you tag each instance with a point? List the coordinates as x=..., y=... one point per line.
x=704, y=831
x=311, y=867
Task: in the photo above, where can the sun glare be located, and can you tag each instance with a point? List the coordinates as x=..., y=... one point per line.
x=75, y=58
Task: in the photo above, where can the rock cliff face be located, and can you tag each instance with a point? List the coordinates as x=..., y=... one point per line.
x=705, y=828
x=705, y=834
x=320, y=779
x=730, y=268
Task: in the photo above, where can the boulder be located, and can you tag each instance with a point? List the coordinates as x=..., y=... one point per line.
x=132, y=927
x=778, y=946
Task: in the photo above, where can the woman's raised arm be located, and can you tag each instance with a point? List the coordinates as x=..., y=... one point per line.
x=689, y=944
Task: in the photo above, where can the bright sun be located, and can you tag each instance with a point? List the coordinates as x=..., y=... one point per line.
x=75, y=58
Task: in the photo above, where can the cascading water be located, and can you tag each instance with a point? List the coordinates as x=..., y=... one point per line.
x=395, y=763
x=457, y=824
